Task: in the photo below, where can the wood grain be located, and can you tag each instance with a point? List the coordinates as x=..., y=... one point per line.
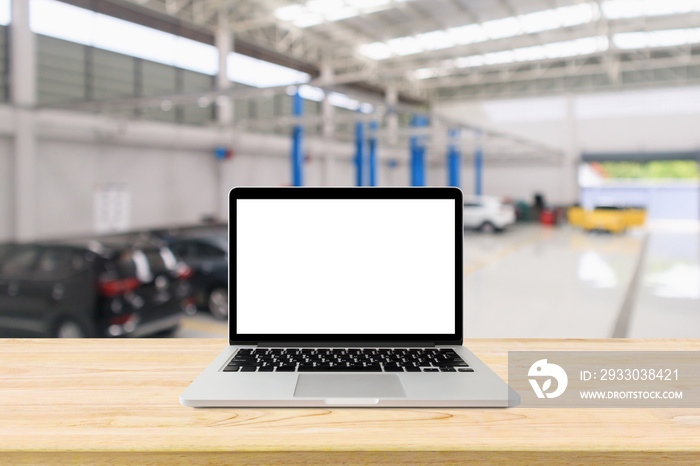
x=116, y=401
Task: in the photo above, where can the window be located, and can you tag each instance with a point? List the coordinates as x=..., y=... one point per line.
x=18, y=262
x=207, y=250
x=58, y=262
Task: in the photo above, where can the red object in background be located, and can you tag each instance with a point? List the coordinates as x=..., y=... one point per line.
x=548, y=217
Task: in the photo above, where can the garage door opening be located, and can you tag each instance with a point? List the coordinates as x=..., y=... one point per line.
x=667, y=189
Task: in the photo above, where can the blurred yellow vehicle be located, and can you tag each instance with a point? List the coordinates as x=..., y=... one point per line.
x=607, y=218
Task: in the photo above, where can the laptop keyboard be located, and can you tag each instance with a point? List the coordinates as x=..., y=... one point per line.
x=347, y=360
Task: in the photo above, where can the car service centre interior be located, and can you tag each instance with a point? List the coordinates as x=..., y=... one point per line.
x=571, y=126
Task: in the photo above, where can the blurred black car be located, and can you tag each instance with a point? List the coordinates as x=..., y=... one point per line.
x=92, y=288
x=207, y=254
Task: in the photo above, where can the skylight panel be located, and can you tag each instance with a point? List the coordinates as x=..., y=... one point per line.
x=290, y=12
x=666, y=38
x=499, y=58
x=133, y=39
x=259, y=73
x=341, y=13
x=529, y=53
x=472, y=61
x=60, y=20
x=323, y=7
x=630, y=40
x=435, y=40
x=617, y=9
x=501, y=28
x=196, y=56
x=577, y=14
x=404, y=46
x=4, y=12
x=425, y=73
x=367, y=3
x=315, y=12
x=540, y=21
x=308, y=19
x=496, y=29
x=57, y=19
x=572, y=48
x=375, y=50
x=467, y=34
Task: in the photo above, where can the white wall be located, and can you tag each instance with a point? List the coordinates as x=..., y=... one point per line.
x=166, y=185
x=630, y=121
x=170, y=170
x=646, y=120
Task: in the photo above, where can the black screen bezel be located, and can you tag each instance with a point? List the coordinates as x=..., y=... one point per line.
x=347, y=193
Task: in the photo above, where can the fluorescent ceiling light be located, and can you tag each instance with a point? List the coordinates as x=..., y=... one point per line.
x=5, y=12
x=375, y=50
x=666, y=38
x=404, y=45
x=435, y=40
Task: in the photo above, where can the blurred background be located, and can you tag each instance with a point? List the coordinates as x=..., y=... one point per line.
x=571, y=126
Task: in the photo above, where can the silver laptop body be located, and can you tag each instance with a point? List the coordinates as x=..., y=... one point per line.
x=352, y=274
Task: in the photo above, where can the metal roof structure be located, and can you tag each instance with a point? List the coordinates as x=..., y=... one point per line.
x=433, y=50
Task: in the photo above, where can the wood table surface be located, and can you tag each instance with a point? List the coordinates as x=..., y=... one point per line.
x=116, y=401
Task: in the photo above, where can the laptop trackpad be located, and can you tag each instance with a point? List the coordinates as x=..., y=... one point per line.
x=349, y=386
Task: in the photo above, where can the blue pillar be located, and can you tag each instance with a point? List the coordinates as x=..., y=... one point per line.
x=478, y=163
x=297, y=140
x=453, y=158
x=418, y=152
x=360, y=152
x=373, y=161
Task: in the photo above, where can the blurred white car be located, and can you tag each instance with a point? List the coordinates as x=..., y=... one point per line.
x=487, y=213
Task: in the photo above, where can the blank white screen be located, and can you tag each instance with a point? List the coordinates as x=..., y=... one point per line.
x=337, y=266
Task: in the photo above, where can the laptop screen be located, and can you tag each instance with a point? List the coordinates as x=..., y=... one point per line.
x=344, y=266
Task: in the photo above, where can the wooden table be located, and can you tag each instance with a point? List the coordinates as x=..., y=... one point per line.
x=116, y=401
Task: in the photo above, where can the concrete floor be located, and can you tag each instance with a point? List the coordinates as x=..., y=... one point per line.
x=539, y=282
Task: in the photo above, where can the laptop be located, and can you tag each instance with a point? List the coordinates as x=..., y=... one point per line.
x=346, y=297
